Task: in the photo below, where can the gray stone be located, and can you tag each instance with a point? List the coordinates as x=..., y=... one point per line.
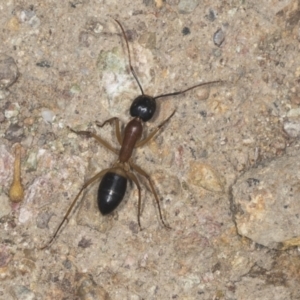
x=267, y=202
x=187, y=6
x=8, y=71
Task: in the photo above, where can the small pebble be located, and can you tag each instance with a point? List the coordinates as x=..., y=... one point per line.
x=13, y=24
x=28, y=121
x=8, y=71
x=217, y=52
x=186, y=31
x=292, y=128
x=148, y=40
x=205, y=176
x=159, y=3
x=75, y=89
x=94, y=26
x=6, y=273
x=43, y=219
x=241, y=266
x=187, y=6
x=31, y=162
x=25, y=266
x=85, y=243
x=25, y=15
x=48, y=116
x=22, y=292
x=202, y=93
x=89, y=290
x=43, y=64
x=294, y=112
x=34, y=22
x=212, y=15
x=12, y=111
x=14, y=133
x=219, y=37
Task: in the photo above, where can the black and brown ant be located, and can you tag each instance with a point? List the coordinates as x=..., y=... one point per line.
x=113, y=184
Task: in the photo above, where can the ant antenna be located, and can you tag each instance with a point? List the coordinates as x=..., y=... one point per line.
x=190, y=88
x=129, y=58
x=163, y=95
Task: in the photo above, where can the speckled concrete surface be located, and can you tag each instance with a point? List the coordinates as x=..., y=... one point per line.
x=73, y=70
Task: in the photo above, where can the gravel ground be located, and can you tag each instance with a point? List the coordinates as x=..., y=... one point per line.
x=217, y=164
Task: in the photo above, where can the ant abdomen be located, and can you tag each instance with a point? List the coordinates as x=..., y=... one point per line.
x=111, y=191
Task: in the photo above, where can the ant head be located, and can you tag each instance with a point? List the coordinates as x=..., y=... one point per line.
x=143, y=107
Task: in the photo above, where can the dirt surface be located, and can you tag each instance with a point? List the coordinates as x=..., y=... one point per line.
x=65, y=63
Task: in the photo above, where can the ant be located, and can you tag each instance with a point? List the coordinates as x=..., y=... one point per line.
x=113, y=184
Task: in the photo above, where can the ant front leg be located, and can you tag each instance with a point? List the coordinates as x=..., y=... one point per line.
x=117, y=126
x=153, y=132
x=90, y=134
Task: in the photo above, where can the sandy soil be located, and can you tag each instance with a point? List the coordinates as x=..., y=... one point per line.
x=65, y=64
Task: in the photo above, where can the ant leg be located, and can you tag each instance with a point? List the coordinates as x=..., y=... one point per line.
x=132, y=177
x=117, y=125
x=145, y=174
x=65, y=218
x=153, y=132
x=97, y=138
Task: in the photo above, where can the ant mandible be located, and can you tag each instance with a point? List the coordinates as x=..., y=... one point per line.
x=113, y=185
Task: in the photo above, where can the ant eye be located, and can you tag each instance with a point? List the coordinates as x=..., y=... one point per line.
x=143, y=107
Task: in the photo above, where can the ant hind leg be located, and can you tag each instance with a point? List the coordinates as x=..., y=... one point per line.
x=132, y=177
x=65, y=218
x=147, y=176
